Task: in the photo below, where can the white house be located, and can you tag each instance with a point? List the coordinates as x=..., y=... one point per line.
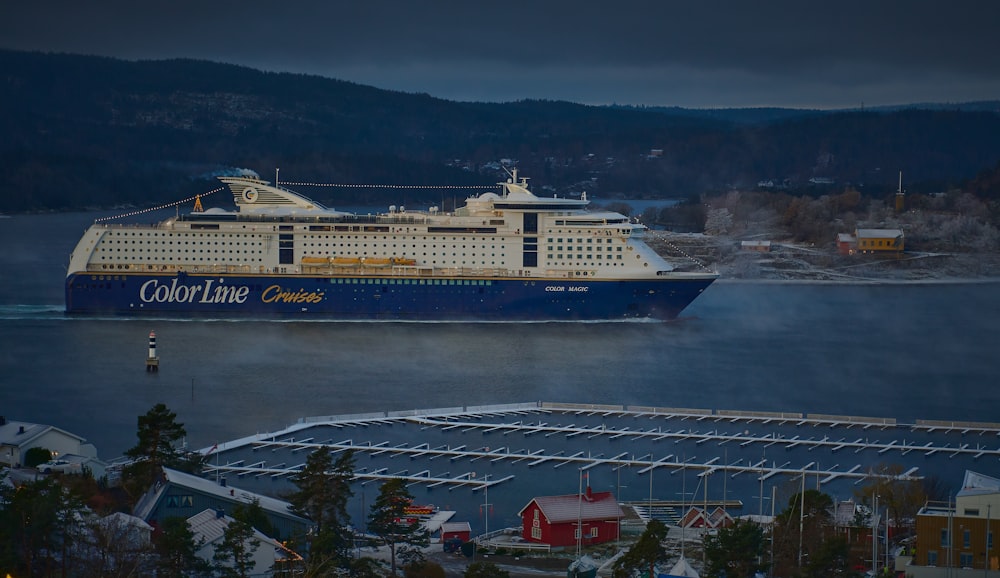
x=17, y=437
x=209, y=527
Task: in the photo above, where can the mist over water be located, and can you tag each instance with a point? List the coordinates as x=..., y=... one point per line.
x=910, y=351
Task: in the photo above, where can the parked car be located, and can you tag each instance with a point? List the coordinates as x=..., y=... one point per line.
x=61, y=466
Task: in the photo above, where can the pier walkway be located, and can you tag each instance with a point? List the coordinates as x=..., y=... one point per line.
x=553, y=435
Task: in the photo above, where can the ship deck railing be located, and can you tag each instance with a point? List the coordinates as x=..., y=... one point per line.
x=325, y=270
x=340, y=270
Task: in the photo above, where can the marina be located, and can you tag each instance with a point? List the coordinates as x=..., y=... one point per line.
x=491, y=460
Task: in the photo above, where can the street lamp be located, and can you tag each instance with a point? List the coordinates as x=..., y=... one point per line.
x=875, y=537
x=989, y=543
x=618, y=498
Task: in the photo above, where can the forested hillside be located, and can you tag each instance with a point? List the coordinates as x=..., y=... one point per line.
x=83, y=131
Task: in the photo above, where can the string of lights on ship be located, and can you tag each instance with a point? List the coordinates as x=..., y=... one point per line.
x=292, y=184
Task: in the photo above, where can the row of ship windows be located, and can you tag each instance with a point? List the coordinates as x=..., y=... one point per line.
x=384, y=246
x=550, y=256
x=200, y=235
x=222, y=254
x=327, y=245
x=148, y=250
x=570, y=248
x=140, y=242
x=353, y=281
x=143, y=236
x=251, y=260
x=343, y=281
x=411, y=239
x=393, y=254
x=186, y=259
x=580, y=241
x=552, y=261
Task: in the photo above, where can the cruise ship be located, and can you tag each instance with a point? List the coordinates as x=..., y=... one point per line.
x=506, y=255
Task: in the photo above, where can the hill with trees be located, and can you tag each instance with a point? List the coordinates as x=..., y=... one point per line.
x=84, y=131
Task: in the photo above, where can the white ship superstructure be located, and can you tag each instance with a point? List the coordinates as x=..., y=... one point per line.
x=277, y=232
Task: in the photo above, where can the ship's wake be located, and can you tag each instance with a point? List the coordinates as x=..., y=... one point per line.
x=31, y=312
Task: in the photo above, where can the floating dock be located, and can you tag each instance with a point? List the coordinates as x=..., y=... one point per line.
x=517, y=451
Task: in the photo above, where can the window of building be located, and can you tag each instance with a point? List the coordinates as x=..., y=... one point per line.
x=932, y=558
x=965, y=560
x=966, y=538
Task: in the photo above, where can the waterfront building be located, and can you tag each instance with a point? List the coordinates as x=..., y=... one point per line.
x=17, y=437
x=184, y=495
x=456, y=530
x=558, y=520
x=879, y=240
x=959, y=534
x=270, y=557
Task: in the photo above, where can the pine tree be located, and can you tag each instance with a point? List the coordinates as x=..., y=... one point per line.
x=234, y=555
x=645, y=553
x=176, y=551
x=38, y=528
x=388, y=521
x=324, y=487
x=157, y=431
x=735, y=551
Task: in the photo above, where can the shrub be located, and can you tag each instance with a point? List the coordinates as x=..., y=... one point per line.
x=35, y=456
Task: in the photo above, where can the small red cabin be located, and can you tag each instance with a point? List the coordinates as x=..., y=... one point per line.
x=554, y=520
x=452, y=530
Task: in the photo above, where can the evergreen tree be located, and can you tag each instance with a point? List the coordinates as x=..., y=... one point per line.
x=38, y=528
x=157, y=431
x=324, y=487
x=176, y=551
x=234, y=555
x=388, y=521
x=253, y=513
x=366, y=567
x=645, y=554
x=736, y=551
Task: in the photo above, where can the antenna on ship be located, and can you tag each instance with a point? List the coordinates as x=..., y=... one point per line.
x=513, y=179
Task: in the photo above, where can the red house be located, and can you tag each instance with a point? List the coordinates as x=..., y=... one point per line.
x=553, y=520
x=460, y=530
x=698, y=518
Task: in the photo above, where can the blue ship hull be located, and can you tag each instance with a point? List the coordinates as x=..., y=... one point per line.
x=380, y=297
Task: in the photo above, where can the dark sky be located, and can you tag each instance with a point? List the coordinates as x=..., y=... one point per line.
x=691, y=53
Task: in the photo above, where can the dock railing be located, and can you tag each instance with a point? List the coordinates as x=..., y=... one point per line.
x=511, y=541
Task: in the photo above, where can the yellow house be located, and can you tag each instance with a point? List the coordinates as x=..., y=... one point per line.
x=879, y=240
x=959, y=535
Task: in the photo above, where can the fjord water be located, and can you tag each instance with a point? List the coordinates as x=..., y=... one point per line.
x=906, y=351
